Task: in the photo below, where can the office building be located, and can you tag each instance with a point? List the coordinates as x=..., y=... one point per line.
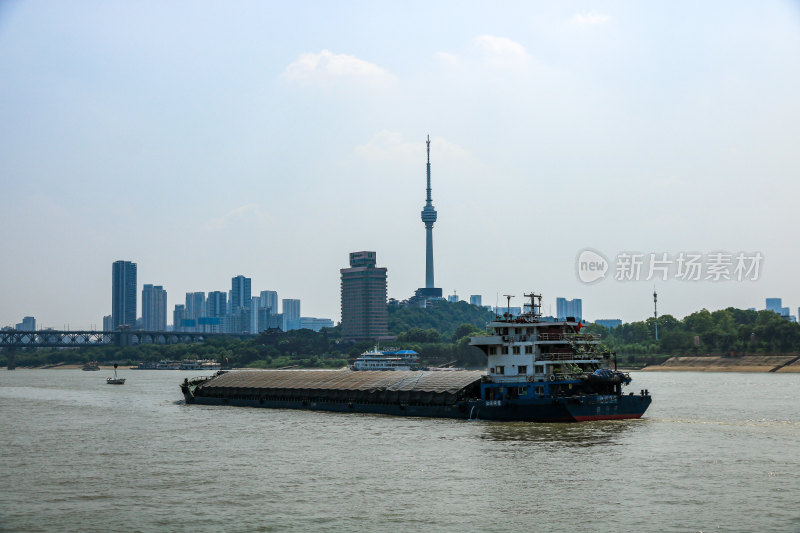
x=609, y=323
x=364, y=311
x=291, y=314
x=475, y=299
x=453, y=298
x=154, y=308
x=315, y=324
x=569, y=309
x=123, y=294
x=28, y=324
x=107, y=323
x=240, y=293
x=774, y=305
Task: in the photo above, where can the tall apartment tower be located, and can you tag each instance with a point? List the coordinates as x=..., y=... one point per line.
x=123, y=294
x=291, y=314
x=216, y=304
x=269, y=300
x=195, y=305
x=364, y=312
x=428, y=218
x=154, y=308
x=569, y=308
x=240, y=293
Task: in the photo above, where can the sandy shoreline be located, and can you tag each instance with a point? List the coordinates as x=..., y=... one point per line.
x=746, y=363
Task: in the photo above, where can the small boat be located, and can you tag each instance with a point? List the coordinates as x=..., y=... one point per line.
x=115, y=380
x=91, y=365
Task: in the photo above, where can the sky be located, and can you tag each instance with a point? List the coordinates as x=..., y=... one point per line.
x=203, y=140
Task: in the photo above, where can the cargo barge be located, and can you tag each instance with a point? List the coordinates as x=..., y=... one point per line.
x=537, y=371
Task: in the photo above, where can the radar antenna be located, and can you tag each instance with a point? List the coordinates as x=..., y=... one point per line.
x=508, y=306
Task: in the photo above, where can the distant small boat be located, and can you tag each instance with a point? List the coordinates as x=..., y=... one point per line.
x=115, y=380
x=91, y=365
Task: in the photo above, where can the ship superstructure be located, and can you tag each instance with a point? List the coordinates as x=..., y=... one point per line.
x=550, y=367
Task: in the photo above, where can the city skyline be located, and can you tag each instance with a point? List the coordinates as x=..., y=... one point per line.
x=241, y=141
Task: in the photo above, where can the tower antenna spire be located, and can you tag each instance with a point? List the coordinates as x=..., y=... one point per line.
x=428, y=142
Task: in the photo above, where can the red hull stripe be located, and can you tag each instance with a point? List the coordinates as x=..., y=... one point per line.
x=606, y=417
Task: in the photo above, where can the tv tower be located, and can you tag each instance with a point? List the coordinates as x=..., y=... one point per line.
x=428, y=218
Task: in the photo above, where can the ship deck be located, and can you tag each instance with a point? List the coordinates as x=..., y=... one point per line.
x=429, y=387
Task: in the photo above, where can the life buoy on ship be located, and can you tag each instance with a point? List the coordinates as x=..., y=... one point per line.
x=552, y=377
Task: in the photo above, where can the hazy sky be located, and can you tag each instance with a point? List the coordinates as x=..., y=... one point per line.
x=203, y=140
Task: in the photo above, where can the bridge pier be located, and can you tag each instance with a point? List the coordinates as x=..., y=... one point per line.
x=11, y=356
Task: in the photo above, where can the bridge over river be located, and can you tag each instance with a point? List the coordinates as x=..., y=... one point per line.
x=11, y=339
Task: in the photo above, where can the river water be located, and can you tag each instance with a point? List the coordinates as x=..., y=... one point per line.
x=715, y=452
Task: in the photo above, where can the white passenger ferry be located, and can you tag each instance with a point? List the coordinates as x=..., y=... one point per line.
x=388, y=359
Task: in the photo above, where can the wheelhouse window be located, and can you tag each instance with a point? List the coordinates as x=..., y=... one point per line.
x=516, y=350
x=501, y=370
x=505, y=350
x=538, y=369
x=522, y=369
x=529, y=349
x=492, y=350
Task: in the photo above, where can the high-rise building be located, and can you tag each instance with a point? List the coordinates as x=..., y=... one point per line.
x=107, y=323
x=123, y=294
x=475, y=299
x=452, y=298
x=154, y=307
x=240, y=293
x=428, y=218
x=195, y=305
x=216, y=304
x=255, y=308
x=569, y=309
x=364, y=312
x=178, y=316
x=774, y=305
x=269, y=300
x=28, y=324
x=291, y=314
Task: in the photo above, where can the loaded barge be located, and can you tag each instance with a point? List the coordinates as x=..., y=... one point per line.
x=537, y=371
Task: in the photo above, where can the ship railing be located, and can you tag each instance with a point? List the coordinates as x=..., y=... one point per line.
x=515, y=338
x=566, y=357
x=568, y=337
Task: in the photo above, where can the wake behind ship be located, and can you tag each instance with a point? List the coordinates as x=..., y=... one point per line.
x=537, y=371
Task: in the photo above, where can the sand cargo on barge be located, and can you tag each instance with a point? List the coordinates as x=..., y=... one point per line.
x=537, y=371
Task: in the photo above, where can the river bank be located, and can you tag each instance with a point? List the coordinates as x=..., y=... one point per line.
x=746, y=363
